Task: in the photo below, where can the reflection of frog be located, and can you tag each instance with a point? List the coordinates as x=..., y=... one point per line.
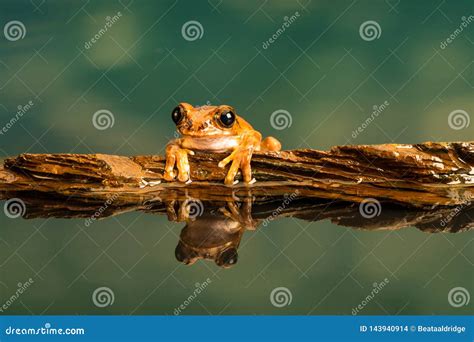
x=209, y=237
x=214, y=129
x=215, y=235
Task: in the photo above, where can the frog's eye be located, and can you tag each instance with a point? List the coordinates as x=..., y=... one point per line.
x=227, y=258
x=227, y=119
x=177, y=115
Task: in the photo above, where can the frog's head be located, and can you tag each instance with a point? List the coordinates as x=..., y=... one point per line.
x=210, y=237
x=224, y=257
x=205, y=120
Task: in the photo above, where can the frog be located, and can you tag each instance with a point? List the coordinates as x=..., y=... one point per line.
x=215, y=234
x=216, y=129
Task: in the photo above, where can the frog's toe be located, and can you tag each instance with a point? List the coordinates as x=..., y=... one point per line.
x=183, y=177
x=246, y=169
x=232, y=173
x=169, y=176
x=228, y=159
x=170, y=211
x=183, y=211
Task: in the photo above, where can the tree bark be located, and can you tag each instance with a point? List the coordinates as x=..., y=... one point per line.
x=418, y=175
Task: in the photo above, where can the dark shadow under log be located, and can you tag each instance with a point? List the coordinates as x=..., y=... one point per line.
x=389, y=216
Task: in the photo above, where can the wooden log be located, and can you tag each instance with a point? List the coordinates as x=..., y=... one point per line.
x=421, y=175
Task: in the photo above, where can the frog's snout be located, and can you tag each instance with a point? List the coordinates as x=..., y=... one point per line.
x=185, y=125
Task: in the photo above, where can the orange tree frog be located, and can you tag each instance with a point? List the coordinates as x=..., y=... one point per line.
x=214, y=129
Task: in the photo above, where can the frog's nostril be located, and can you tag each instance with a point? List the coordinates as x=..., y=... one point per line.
x=188, y=123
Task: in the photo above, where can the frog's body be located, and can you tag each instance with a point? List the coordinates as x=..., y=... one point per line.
x=214, y=129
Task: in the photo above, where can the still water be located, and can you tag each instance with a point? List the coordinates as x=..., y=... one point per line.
x=194, y=257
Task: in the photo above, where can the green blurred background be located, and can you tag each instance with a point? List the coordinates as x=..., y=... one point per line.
x=320, y=70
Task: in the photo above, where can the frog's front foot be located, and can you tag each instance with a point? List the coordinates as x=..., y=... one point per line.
x=178, y=156
x=240, y=160
x=240, y=212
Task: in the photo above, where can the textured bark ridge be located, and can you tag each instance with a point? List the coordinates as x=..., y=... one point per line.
x=427, y=178
x=414, y=175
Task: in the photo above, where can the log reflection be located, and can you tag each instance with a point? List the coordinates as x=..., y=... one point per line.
x=213, y=229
